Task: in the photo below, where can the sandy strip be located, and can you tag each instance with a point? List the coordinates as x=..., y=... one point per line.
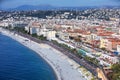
x=64, y=67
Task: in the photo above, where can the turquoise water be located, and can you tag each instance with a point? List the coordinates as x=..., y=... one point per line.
x=20, y=63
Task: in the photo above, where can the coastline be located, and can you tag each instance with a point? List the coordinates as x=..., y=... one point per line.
x=61, y=64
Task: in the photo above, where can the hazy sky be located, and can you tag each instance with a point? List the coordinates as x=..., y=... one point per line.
x=15, y=3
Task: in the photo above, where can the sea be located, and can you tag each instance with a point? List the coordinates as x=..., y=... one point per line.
x=18, y=62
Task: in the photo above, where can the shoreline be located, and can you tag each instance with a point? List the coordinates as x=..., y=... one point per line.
x=53, y=57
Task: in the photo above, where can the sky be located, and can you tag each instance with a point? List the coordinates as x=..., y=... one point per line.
x=62, y=3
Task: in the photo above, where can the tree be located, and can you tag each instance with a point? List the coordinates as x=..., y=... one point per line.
x=103, y=49
x=92, y=79
x=34, y=35
x=41, y=37
x=116, y=72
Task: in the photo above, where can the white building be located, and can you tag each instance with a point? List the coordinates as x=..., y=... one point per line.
x=51, y=35
x=19, y=24
x=4, y=24
x=42, y=31
x=108, y=60
x=118, y=49
x=33, y=27
x=63, y=35
x=66, y=26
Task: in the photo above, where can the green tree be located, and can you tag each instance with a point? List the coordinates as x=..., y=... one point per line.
x=116, y=72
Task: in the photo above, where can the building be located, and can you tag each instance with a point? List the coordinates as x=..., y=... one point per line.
x=109, y=43
x=118, y=49
x=63, y=35
x=108, y=60
x=50, y=35
x=33, y=28
x=19, y=24
x=103, y=43
x=4, y=24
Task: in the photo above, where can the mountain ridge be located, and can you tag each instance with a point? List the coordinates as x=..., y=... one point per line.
x=50, y=7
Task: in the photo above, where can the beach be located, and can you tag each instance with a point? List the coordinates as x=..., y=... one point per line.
x=64, y=67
